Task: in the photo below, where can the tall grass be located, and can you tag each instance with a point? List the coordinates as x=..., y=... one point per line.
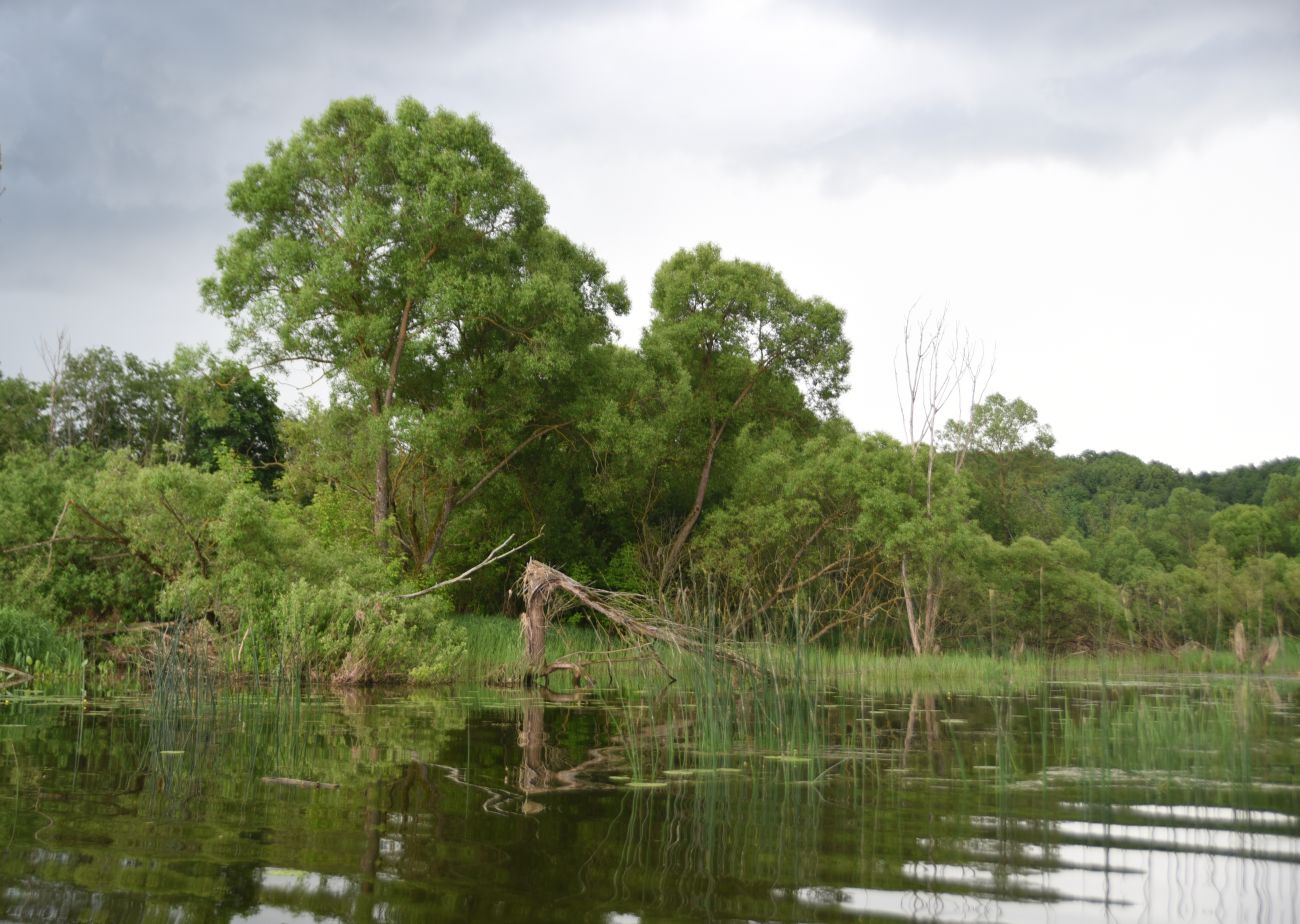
x=495, y=649
x=34, y=644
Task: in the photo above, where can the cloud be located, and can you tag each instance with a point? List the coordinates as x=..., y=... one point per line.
x=873, y=153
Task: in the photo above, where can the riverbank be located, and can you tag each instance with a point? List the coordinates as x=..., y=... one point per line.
x=490, y=651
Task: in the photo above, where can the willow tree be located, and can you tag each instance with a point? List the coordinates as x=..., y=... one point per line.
x=376, y=247
x=726, y=331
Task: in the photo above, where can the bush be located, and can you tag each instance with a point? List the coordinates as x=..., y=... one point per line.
x=356, y=638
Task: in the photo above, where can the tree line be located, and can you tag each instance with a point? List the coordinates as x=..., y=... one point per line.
x=477, y=392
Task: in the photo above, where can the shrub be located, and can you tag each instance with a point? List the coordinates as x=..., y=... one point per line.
x=356, y=638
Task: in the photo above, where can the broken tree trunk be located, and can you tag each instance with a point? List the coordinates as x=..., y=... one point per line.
x=536, y=595
x=631, y=614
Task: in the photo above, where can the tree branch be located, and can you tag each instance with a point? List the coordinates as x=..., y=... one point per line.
x=494, y=556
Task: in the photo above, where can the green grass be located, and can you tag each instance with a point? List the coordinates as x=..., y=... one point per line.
x=495, y=654
x=34, y=644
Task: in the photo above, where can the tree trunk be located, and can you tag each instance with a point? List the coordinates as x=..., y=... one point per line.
x=933, y=596
x=380, y=403
x=382, y=493
x=534, y=629
x=684, y=533
x=910, y=606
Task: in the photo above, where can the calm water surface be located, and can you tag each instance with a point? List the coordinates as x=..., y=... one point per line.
x=1135, y=802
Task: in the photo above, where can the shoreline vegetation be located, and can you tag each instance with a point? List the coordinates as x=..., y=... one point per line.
x=158, y=513
x=150, y=656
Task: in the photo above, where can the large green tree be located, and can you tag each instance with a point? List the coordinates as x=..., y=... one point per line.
x=724, y=332
x=394, y=254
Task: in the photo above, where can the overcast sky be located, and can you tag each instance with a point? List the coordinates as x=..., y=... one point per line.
x=1107, y=193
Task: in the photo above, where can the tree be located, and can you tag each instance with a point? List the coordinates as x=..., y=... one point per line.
x=1009, y=454
x=1282, y=501
x=21, y=406
x=1106, y=490
x=722, y=331
x=1244, y=530
x=103, y=401
x=386, y=252
x=792, y=538
x=224, y=407
x=1183, y=523
x=939, y=366
x=1244, y=484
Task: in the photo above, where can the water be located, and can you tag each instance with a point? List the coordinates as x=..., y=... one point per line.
x=1139, y=802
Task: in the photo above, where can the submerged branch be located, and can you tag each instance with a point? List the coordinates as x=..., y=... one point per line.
x=12, y=676
x=303, y=784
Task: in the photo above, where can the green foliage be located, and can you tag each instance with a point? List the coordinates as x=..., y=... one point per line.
x=194, y=409
x=335, y=631
x=51, y=563
x=477, y=393
x=1282, y=501
x=439, y=654
x=1180, y=527
x=22, y=423
x=227, y=409
x=1010, y=464
x=1044, y=593
x=1244, y=529
x=730, y=343
x=31, y=642
x=798, y=545
x=625, y=572
x=1101, y=491
x=105, y=402
x=730, y=322
x=407, y=258
x=1244, y=484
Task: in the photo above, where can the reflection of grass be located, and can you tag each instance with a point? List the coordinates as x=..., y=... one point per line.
x=934, y=781
x=1212, y=734
x=742, y=786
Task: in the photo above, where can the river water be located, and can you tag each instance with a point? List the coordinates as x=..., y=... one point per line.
x=1146, y=802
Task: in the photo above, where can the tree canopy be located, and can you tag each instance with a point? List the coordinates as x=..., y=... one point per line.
x=407, y=258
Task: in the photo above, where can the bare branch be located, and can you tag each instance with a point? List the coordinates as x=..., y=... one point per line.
x=494, y=556
x=55, y=359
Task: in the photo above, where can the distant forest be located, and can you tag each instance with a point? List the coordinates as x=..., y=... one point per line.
x=477, y=394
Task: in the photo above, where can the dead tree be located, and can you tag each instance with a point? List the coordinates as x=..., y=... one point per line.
x=634, y=617
x=939, y=366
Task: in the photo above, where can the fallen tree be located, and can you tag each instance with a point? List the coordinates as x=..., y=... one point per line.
x=639, y=620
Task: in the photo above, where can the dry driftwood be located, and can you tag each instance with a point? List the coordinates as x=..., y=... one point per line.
x=632, y=615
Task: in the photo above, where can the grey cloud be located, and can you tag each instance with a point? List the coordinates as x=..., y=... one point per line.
x=1097, y=83
x=125, y=121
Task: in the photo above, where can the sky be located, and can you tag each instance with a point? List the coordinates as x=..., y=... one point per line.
x=1106, y=195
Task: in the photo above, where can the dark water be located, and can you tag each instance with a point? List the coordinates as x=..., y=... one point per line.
x=1072, y=803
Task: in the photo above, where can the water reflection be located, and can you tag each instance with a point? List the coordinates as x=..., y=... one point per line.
x=1073, y=803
